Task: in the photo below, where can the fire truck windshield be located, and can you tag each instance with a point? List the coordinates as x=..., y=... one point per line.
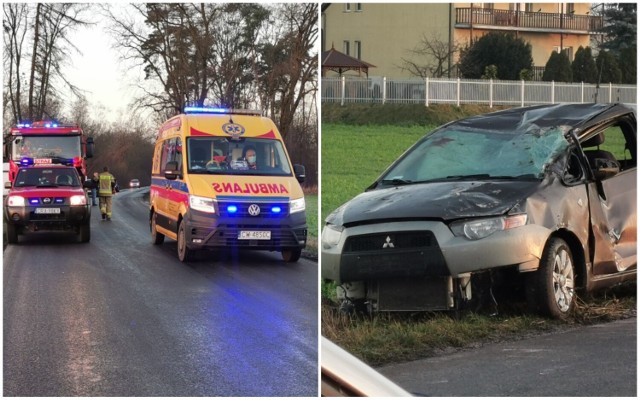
x=46, y=146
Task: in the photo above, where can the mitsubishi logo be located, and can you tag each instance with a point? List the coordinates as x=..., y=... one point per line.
x=388, y=243
x=254, y=210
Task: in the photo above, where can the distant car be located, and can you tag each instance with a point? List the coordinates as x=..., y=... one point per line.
x=344, y=375
x=47, y=198
x=134, y=183
x=540, y=197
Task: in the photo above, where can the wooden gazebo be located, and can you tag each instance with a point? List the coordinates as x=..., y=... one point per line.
x=333, y=60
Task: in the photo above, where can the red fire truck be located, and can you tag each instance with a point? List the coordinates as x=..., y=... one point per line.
x=45, y=142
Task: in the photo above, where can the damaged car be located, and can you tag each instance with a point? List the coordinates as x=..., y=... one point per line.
x=543, y=195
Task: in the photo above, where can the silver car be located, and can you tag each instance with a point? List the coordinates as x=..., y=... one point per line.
x=542, y=198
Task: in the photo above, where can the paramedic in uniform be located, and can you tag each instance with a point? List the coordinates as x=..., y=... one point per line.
x=249, y=155
x=106, y=189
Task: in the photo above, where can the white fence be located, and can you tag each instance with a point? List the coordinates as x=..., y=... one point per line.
x=470, y=91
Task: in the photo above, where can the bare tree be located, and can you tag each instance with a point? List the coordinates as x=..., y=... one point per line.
x=49, y=48
x=431, y=58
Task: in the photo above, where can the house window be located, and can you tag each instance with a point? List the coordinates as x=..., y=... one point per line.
x=528, y=7
x=357, y=51
x=358, y=7
x=569, y=8
x=568, y=50
x=347, y=7
x=487, y=6
x=345, y=47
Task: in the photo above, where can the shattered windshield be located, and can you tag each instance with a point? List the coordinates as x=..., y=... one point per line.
x=221, y=155
x=470, y=154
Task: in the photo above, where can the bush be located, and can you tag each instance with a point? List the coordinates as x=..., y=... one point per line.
x=508, y=54
x=558, y=68
x=584, y=67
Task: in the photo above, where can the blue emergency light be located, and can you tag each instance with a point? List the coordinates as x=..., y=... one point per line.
x=276, y=210
x=207, y=110
x=34, y=201
x=232, y=209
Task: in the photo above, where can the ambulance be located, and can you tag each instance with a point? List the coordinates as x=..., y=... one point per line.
x=222, y=179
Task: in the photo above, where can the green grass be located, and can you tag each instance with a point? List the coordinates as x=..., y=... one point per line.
x=354, y=156
x=311, y=201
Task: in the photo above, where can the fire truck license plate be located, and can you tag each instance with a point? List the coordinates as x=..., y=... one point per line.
x=255, y=235
x=47, y=211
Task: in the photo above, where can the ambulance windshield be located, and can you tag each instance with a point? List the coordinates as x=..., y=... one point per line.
x=220, y=155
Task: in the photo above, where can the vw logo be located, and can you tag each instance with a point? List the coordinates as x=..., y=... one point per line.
x=233, y=129
x=46, y=200
x=254, y=210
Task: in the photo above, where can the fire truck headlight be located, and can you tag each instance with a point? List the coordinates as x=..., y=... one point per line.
x=15, y=201
x=78, y=200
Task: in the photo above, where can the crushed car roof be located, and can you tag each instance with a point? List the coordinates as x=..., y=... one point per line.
x=543, y=116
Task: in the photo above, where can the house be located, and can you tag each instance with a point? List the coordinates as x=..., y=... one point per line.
x=385, y=33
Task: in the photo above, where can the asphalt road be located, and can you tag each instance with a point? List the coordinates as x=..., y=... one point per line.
x=597, y=360
x=121, y=317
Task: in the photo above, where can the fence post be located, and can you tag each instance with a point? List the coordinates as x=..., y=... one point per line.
x=610, y=97
x=582, y=92
x=458, y=94
x=342, y=92
x=522, y=93
x=490, y=93
x=553, y=92
x=384, y=89
x=426, y=91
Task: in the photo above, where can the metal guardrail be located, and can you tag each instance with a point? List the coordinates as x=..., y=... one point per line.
x=470, y=91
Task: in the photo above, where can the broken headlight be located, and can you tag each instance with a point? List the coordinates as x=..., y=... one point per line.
x=480, y=228
x=331, y=235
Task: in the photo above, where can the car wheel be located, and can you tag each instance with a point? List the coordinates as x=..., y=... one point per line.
x=156, y=238
x=291, y=255
x=84, y=233
x=12, y=234
x=551, y=289
x=184, y=253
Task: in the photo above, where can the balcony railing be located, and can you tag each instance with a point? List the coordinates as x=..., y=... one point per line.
x=467, y=17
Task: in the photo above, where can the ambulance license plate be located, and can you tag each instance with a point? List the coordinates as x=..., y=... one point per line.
x=255, y=235
x=47, y=211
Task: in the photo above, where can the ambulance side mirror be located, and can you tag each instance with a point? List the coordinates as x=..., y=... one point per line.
x=299, y=172
x=171, y=171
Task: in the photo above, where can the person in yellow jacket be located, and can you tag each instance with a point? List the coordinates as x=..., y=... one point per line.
x=106, y=189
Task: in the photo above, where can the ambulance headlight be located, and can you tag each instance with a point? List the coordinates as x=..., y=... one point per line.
x=296, y=205
x=78, y=200
x=203, y=204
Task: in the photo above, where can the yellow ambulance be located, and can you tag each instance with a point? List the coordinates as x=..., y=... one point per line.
x=222, y=179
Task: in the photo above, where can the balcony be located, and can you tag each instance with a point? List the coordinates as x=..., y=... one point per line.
x=482, y=18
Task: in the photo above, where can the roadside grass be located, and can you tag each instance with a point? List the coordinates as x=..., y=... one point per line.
x=398, y=337
x=352, y=158
x=311, y=202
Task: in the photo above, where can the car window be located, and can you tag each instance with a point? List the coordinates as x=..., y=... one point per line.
x=452, y=153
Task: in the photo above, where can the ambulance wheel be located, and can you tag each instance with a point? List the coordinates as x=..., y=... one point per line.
x=291, y=255
x=84, y=233
x=184, y=253
x=156, y=238
x=12, y=234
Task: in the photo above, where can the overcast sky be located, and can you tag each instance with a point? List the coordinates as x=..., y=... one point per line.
x=98, y=70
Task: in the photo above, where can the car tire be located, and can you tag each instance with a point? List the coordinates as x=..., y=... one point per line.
x=156, y=238
x=184, y=253
x=551, y=289
x=84, y=233
x=291, y=255
x=12, y=234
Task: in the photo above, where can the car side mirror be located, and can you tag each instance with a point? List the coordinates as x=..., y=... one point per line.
x=7, y=185
x=171, y=171
x=605, y=168
x=89, y=148
x=300, y=172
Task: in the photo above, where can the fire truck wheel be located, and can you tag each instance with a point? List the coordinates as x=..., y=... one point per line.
x=12, y=234
x=84, y=233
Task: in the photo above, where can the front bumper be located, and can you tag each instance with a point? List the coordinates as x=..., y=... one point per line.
x=426, y=248
x=68, y=218
x=206, y=230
